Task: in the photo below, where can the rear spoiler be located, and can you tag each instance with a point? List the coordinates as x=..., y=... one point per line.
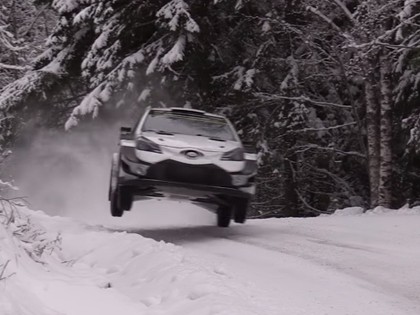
x=187, y=111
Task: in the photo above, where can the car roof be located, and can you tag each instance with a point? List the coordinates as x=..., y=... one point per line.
x=186, y=112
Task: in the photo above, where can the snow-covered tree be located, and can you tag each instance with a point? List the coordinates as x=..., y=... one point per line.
x=313, y=83
x=116, y=47
x=24, y=27
x=378, y=34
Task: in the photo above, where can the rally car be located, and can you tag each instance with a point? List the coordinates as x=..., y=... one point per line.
x=179, y=152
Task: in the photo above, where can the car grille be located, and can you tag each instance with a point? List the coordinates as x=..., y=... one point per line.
x=208, y=174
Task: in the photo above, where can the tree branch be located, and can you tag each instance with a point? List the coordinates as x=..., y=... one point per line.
x=40, y=12
x=13, y=67
x=303, y=148
x=267, y=96
x=324, y=17
x=345, y=10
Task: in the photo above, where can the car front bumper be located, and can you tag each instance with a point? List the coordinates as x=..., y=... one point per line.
x=169, y=176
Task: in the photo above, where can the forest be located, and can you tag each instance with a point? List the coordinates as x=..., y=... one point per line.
x=327, y=90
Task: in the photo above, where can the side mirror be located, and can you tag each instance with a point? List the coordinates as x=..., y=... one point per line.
x=125, y=130
x=125, y=133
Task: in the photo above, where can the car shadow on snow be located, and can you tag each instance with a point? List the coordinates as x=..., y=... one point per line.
x=191, y=234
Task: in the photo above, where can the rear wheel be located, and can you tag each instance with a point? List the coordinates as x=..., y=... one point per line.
x=224, y=214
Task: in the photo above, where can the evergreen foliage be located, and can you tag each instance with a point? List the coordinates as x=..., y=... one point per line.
x=313, y=83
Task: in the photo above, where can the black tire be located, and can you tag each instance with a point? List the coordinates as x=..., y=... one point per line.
x=110, y=187
x=224, y=214
x=114, y=189
x=126, y=199
x=116, y=209
x=240, y=210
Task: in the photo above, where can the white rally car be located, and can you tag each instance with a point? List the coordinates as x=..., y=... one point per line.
x=178, y=152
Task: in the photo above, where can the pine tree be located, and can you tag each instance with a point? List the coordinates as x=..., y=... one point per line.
x=24, y=27
x=326, y=89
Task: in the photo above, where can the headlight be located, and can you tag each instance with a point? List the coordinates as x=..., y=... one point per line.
x=144, y=144
x=237, y=154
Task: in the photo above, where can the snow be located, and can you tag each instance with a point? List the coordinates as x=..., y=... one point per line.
x=239, y=4
x=102, y=40
x=12, y=67
x=56, y=66
x=18, y=89
x=89, y=104
x=144, y=95
x=63, y=6
x=135, y=58
x=350, y=211
x=167, y=257
x=176, y=11
x=176, y=53
x=99, y=271
x=83, y=15
x=266, y=27
x=152, y=65
x=245, y=79
x=8, y=185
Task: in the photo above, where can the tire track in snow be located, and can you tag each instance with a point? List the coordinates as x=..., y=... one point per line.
x=367, y=264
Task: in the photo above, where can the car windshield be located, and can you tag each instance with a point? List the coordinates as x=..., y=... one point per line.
x=165, y=122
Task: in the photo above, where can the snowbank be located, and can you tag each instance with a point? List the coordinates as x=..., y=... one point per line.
x=24, y=250
x=58, y=266
x=347, y=212
x=99, y=271
x=354, y=211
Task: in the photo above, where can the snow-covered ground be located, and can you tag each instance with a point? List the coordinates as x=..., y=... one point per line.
x=169, y=258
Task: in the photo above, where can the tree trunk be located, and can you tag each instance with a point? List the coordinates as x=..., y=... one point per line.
x=290, y=187
x=385, y=169
x=14, y=27
x=373, y=135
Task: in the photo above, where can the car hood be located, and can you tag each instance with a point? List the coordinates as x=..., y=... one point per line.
x=191, y=142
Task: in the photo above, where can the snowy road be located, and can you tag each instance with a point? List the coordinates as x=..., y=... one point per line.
x=362, y=264
x=329, y=265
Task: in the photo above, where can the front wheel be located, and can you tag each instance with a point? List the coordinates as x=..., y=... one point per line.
x=114, y=193
x=116, y=209
x=126, y=199
x=224, y=214
x=240, y=210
